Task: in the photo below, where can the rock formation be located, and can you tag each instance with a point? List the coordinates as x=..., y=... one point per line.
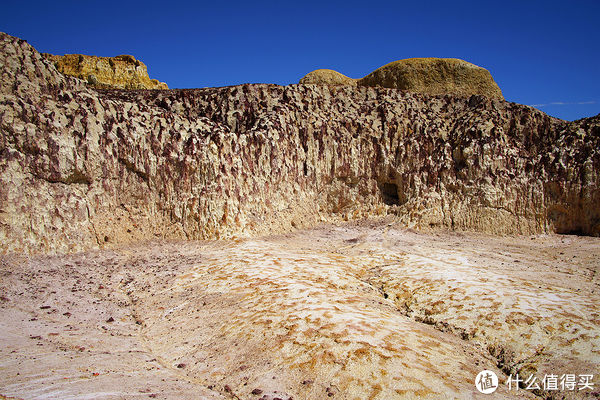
x=120, y=72
x=432, y=76
x=435, y=76
x=81, y=168
x=327, y=77
x=368, y=309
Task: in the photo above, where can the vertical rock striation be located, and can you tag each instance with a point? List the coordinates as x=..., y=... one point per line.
x=82, y=168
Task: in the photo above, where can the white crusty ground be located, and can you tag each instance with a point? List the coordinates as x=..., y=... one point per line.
x=364, y=311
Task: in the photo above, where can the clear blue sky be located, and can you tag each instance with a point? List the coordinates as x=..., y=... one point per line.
x=544, y=53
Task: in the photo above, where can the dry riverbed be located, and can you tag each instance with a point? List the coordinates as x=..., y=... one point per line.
x=361, y=311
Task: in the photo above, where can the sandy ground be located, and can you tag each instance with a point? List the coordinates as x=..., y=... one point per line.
x=361, y=311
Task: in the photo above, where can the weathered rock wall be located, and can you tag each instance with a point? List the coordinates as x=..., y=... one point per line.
x=473, y=163
x=81, y=168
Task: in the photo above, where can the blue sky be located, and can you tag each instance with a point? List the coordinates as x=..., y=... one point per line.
x=543, y=53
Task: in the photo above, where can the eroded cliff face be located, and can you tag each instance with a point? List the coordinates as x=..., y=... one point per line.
x=120, y=72
x=81, y=168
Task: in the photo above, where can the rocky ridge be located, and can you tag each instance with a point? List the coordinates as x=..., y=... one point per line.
x=82, y=168
x=432, y=76
x=120, y=72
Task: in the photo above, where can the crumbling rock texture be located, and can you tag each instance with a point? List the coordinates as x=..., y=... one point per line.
x=120, y=72
x=432, y=76
x=81, y=168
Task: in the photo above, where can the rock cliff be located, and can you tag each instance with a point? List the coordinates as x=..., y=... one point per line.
x=82, y=168
x=432, y=76
x=120, y=72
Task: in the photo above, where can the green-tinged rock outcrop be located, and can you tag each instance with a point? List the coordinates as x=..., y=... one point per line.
x=435, y=76
x=327, y=77
x=432, y=76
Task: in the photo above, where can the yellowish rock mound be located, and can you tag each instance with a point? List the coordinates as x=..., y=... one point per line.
x=120, y=72
x=433, y=76
x=327, y=77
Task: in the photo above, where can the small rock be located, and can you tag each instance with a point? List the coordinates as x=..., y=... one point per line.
x=256, y=391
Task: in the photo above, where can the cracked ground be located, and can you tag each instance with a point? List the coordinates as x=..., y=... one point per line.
x=361, y=311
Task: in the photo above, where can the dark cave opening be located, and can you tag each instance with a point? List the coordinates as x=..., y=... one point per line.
x=573, y=231
x=389, y=193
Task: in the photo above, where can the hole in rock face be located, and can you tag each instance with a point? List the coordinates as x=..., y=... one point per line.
x=389, y=193
x=572, y=231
